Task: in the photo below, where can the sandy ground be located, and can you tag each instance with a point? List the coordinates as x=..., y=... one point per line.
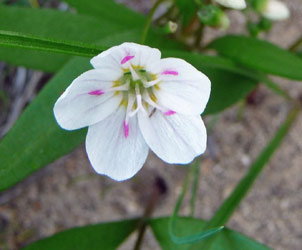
x=67, y=193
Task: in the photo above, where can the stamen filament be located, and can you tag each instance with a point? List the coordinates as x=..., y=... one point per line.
x=150, y=83
x=135, y=76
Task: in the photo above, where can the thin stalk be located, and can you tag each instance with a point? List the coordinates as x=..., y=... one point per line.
x=295, y=45
x=196, y=169
x=199, y=35
x=159, y=188
x=149, y=21
x=194, y=189
x=172, y=223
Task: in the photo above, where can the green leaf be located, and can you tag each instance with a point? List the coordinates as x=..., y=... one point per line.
x=14, y=39
x=50, y=24
x=36, y=139
x=104, y=9
x=229, y=83
x=226, y=239
x=259, y=55
x=104, y=236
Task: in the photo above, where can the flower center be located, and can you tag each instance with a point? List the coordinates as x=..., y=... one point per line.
x=137, y=87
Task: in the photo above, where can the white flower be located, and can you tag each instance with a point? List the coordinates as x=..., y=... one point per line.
x=275, y=10
x=234, y=4
x=132, y=101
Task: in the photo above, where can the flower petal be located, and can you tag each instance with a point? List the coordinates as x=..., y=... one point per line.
x=174, y=138
x=183, y=88
x=85, y=101
x=119, y=56
x=234, y=4
x=112, y=151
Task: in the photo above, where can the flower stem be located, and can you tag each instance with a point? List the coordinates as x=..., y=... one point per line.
x=149, y=20
x=159, y=188
x=295, y=45
x=199, y=35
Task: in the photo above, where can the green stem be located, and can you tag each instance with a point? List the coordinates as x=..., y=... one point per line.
x=199, y=35
x=194, y=189
x=172, y=223
x=295, y=45
x=158, y=189
x=149, y=20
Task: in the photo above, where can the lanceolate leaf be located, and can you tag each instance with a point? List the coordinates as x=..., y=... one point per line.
x=50, y=24
x=225, y=239
x=104, y=236
x=36, y=139
x=259, y=55
x=109, y=10
x=14, y=39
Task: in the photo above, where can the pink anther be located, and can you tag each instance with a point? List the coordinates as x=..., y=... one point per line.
x=170, y=72
x=96, y=92
x=126, y=59
x=126, y=129
x=170, y=112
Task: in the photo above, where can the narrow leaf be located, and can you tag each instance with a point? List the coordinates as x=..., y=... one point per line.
x=54, y=25
x=14, y=39
x=104, y=236
x=226, y=239
x=259, y=55
x=106, y=8
x=36, y=140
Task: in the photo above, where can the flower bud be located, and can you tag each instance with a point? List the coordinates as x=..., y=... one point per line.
x=172, y=27
x=271, y=9
x=234, y=4
x=213, y=16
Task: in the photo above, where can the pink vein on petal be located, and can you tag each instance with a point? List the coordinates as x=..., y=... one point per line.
x=170, y=112
x=126, y=59
x=126, y=129
x=170, y=72
x=96, y=92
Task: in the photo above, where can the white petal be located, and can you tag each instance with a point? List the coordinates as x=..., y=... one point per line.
x=276, y=10
x=234, y=4
x=174, y=138
x=113, y=154
x=142, y=56
x=183, y=88
x=76, y=108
